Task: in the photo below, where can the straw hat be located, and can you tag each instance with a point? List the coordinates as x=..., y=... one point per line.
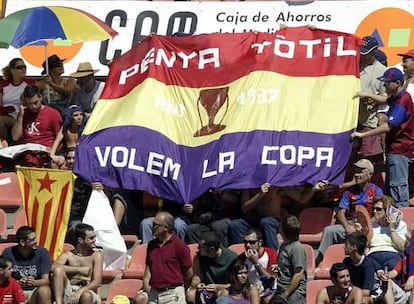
x=84, y=69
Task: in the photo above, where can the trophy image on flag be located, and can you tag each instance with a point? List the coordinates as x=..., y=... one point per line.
x=212, y=100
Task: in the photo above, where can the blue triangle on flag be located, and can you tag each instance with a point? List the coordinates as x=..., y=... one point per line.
x=377, y=36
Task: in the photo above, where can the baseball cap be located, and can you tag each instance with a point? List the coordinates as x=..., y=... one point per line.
x=409, y=53
x=370, y=44
x=392, y=74
x=381, y=57
x=365, y=164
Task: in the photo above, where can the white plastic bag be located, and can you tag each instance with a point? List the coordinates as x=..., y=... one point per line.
x=99, y=215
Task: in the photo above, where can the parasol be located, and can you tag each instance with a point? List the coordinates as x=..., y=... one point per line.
x=38, y=24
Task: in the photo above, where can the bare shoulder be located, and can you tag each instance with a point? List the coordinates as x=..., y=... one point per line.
x=97, y=254
x=64, y=257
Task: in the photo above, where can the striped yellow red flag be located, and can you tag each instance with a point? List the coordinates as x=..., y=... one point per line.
x=47, y=198
x=2, y=7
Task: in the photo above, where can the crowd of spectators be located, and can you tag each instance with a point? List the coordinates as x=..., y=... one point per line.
x=273, y=267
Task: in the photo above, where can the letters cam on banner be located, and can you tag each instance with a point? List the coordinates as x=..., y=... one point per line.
x=181, y=115
x=47, y=198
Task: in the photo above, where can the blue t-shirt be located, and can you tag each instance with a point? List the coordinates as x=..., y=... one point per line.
x=363, y=275
x=36, y=264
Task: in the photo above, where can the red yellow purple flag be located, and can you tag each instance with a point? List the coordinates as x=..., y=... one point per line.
x=47, y=198
x=182, y=115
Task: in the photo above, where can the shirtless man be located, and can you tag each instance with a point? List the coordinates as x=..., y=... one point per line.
x=69, y=134
x=262, y=209
x=342, y=291
x=77, y=274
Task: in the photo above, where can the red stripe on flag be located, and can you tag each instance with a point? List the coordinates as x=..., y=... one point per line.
x=59, y=218
x=45, y=222
x=257, y=52
x=26, y=195
x=35, y=210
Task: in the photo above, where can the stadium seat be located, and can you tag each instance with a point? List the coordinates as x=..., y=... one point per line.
x=126, y=287
x=312, y=289
x=21, y=220
x=310, y=260
x=408, y=216
x=68, y=247
x=10, y=197
x=136, y=266
x=334, y=254
x=314, y=220
x=3, y=225
x=193, y=250
x=6, y=245
x=237, y=248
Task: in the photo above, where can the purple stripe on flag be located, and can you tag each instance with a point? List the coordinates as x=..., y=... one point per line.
x=138, y=158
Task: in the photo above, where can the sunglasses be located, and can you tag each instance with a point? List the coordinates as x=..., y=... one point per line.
x=378, y=208
x=250, y=242
x=155, y=225
x=20, y=67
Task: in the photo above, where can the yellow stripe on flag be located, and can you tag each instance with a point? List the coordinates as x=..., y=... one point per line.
x=47, y=198
x=310, y=104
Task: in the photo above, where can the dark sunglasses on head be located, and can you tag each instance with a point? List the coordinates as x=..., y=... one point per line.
x=250, y=242
x=20, y=67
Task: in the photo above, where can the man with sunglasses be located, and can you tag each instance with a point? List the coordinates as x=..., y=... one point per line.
x=400, y=135
x=261, y=261
x=31, y=266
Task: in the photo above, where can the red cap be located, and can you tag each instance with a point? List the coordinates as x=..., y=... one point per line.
x=409, y=53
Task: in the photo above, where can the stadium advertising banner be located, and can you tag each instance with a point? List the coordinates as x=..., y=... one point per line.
x=182, y=115
x=391, y=22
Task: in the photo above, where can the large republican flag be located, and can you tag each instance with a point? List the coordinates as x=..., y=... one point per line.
x=47, y=198
x=182, y=115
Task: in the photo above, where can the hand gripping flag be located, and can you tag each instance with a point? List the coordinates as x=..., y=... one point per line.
x=47, y=198
x=182, y=115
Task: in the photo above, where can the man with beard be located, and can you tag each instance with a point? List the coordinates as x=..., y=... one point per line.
x=31, y=266
x=77, y=274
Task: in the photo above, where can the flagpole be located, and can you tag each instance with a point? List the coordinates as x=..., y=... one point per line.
x=47, y=72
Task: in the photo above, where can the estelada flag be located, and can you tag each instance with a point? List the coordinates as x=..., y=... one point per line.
x=47, y=198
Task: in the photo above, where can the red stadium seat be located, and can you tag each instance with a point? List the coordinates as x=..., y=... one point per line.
x=310, y=260
x=136, y=266
x=21, y=220
x=314, y=220
x=10, y=197
x=237, y=248
x=125, y=287
x=68, y=247
x=3, y=225
x=193, y=250
x=334, y=254
x=408, y=216
x=6, y=245
x=313, y=287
